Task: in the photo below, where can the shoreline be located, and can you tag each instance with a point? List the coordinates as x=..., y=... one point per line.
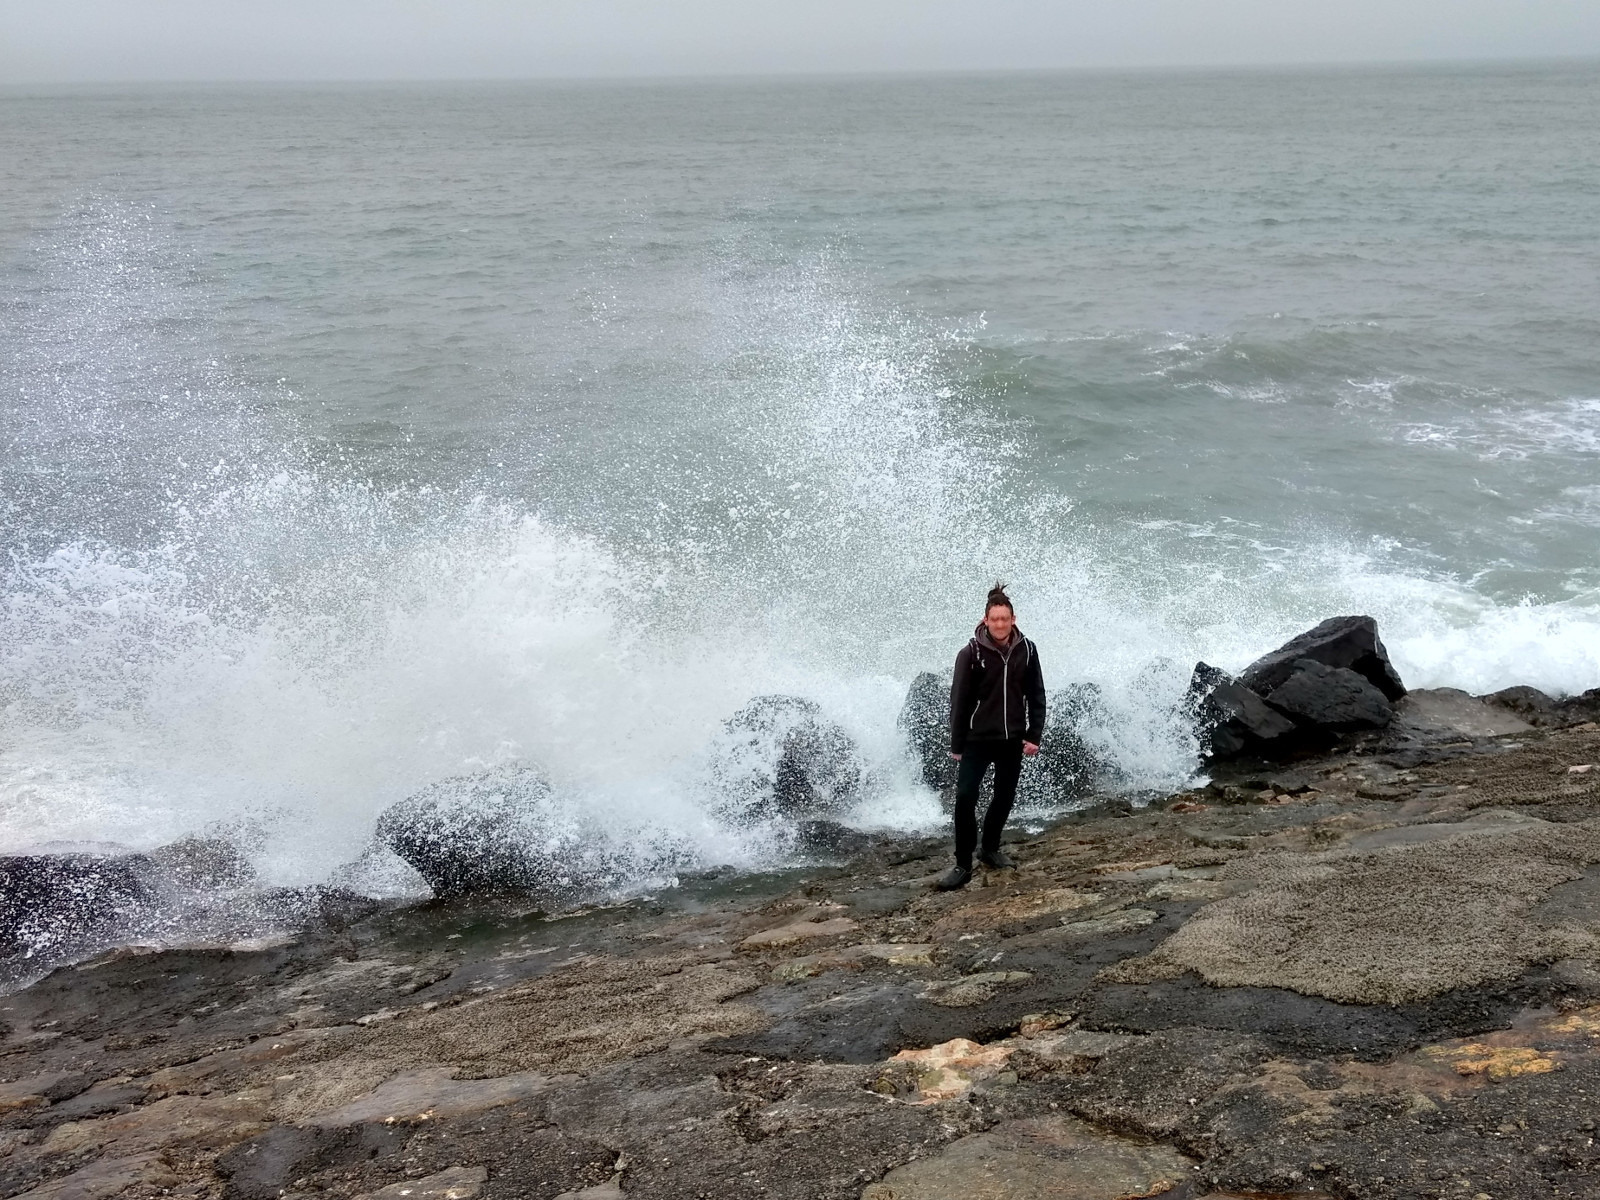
x=1366, y=979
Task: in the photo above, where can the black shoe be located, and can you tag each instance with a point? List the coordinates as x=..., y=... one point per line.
x=996, y=860
x=956, y=877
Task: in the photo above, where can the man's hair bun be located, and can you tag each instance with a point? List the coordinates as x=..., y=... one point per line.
x=998, y=598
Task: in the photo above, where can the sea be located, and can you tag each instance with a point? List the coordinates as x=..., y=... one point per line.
x=353, y=438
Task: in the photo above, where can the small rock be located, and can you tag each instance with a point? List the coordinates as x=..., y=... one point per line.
x=1012, y=907
x=971, y=990
x=106, y=1178
x=896, y=954
x=1183, y=890
x=429, y=1094
x=786, y=935
x=951, y=1068
x=1041, y=1158
x=453, y=1183
x=902, y=954
x=1126, y=921
x=609, y=1190
x=1077, y=1045
x=1529, y=703
x=197, y=1122
x=37, y=1091
x=1034, y=1024
x=1494, y=1062
x=1578, y=711
x=1120, y=869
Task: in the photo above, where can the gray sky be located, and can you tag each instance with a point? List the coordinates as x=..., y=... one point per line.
x=102, y=40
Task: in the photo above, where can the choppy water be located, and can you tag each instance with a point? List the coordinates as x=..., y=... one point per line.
x=354, y=438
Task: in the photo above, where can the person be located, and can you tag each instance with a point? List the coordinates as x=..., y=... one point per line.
x=997, y=704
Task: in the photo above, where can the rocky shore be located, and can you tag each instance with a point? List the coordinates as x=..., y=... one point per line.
x=1373, y=972
x=1362, y=961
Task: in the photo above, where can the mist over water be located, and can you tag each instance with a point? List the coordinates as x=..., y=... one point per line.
x=356, y=440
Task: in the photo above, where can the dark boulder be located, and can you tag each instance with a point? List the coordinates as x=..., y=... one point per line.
x=477, y=832
x=1577, y=710
x=53, y=902
x=1348, y=642
x=925, y=723
x=1327, y=683
x=778, y=756
x=1067, y=767
x=1076, y=706
x=1537, y=708
x=203, y=863
x=1331, y=700
x=1529, y=703
x=1231, y=721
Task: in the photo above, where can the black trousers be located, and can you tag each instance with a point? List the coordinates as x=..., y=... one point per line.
x=976, y=759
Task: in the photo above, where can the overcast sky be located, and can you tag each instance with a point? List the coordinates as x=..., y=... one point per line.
x=113, y=40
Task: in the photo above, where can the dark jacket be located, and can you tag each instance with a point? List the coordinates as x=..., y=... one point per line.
x=997, y=694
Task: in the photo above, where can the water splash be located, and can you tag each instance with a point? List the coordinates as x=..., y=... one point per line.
x=208, y=624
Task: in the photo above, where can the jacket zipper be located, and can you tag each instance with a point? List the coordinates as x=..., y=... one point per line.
x=1005, y=687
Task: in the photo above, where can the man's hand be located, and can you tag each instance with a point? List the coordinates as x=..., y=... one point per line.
x=955, y=756
x=1030, y=748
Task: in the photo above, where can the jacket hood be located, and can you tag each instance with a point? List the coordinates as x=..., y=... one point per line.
x=981, y=634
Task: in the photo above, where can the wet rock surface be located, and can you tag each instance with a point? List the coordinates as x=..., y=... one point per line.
x=1306, y=696
x=924, y=722
x=1373, y=973
x=1066, y=769
x=476, y=832
x=1232, y=721
x=61, y=900
x=1347, y=643
x=779, y=756
x=1038, y=1158
x=48, y=897
x=1336, y=699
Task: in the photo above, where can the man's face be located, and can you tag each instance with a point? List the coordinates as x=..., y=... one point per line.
x=1000, y=620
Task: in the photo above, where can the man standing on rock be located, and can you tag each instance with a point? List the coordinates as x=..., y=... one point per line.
x=996, y=717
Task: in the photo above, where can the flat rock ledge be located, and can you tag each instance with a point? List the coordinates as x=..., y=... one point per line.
x=1370, y=974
